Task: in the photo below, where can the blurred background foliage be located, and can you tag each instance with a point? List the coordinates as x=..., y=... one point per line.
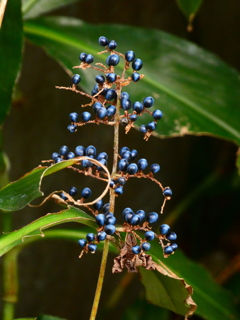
x=201, y=169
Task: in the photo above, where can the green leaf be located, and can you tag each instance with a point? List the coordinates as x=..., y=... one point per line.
x=47, y=317
x=213, y=301
x=34, y=8
x=11, y=39
x=35, y=228
x=189, y=7
x=196, y=91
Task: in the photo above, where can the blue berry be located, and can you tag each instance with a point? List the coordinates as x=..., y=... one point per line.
x=132, y=168
x=121, y=180
x=89, y=58
x=141, y=214
x=167, y=192
x=148, y=102
x=135, y=76
x=134, y=220
x=73, y=191
x=57, y=160
x=174, y=246
x=127, y=155
x=168, y=250
x=72, y=127
x=134, y=154
x=86, y=116
x=142, y=164
x=157, y=114
x=151, y=126
x=101, y=113
x=73, y=117
x=126, y=104
x=112, y=60
x=126, y=210
x=123, y=149
x=138, y=107
x=102, y=155
x=98, y=205
x=106, y=207
x=82, y=242
x=146, y=246
x=112, y=45
x=91, y=151
x=80, y=151
x=111, y=110
x=76, y=78
x=55, y=155
x=171, y=236
x=86, y=163
x=112, y=183
x=86, y=193
x=90, y=237
x=122, y=165
x=137, y=64
x=92, y=247
x=103, y=41
x=118, y=190
x=100, y=219
x=128, y=216
x=96, y=106
x=101, y=236
x=164, y=229
x=152, y=217
x=143, y=128
x=155, y=168
x=62, y=195
x=102, y=161
x=136, y=249
x=94, y=90
x=133, y=117
x=110, y=229
x=149, y=235
x=70, y=155
x=82, y=56
x=130, y=56
x=109, y=215
x=111, y=220
x=111, y=77
x=110, y=94
x=124, y=95
x=100, y=79
x=63, y=150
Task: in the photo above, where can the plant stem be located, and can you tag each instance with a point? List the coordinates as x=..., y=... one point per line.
x=100, y=281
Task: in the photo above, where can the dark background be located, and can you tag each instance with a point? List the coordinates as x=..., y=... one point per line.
x=52, y=278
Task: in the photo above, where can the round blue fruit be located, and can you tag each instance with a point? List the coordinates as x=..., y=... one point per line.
x=142, y=164
x=137, y=64
x=100, y=219
x=91, y=151
x=111, y=220
x=149, y=235
x=102, y=161
x=55, y=155
x=136, y=249
x=92, y=247
x=167, y=192
x=132, y=168
x=126, y=210
x=143, y=128
x=72, y=127
x=113, y=60
x=112, y=45
x=146, y=246
x=100, y=79
x=110, y=229
x=155, y=168
x=110, y=94
x=76, y=78
x=57, y=160
x=171, y=236
x=102, y=155
x=70, y=155
x=80, y=151
x=111, y=77
x=98, y=205
x=151, y=126
x=96, y=106
x=82, y=56
x=124, y=95
x=73, y=117
x=63, y=150
x=141, y=214
x=101, y=236
x=133, y=117
x=174, y=246
x=164, y=229
x=123, y=164
x=86, y=116
x=103, y=41
x=135, y=76
x=62, y=195
x=134, y=220
x=82, y=242
x=134, y=154
x=152, y=217
x=138, y=107
x=86, y=193
x=127, y=155
x=123, y=149
x=121, y=181
x=106, y=207
x=157, y=114
x=168, y=250
x=118, y=190
x=90, y=237
x=89, y=58
x=73, y=191
x=148, y=102
x=101, y=113
x=129, y=56
x=111, y=110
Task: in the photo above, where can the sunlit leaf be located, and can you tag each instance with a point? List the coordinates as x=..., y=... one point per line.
x=195, y=90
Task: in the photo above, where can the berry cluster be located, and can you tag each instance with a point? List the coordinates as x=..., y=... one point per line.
x=104, y=96
x=112, y=106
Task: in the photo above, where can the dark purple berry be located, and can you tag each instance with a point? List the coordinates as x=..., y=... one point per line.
x=112, y=45
x=111, y=77
x=89, y=58
x=103, y=41
x=82, y=56
x=86, y=193
x=100, y=79
x=135, y=76
x=76, y=78
x=137, y=64
x=112, y=60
